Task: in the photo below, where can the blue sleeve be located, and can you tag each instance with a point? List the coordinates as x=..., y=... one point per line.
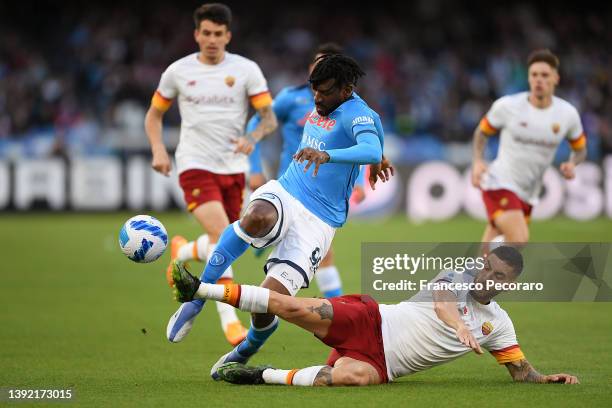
x=282, y=105
x=252, y=123
x=255, y=160
x=360, y=181
x=367, y=151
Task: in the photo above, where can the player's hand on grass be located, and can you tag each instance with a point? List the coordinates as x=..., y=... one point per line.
x=161, y=161
x=478, y=169
x=256, y=180
x=466, y=338
x=568, y=170
x=562, y=379
x=311, y=156
x=244, y=144
x=383, y=171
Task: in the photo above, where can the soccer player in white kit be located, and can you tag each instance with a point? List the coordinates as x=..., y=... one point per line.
x=531, y=125
x=374, y=344
x=214, y=89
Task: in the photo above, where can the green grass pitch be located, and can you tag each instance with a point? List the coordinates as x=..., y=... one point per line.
x=75, y=313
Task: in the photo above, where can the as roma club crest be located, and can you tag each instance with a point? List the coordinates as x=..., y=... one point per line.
x=195, y=192
x=503, y=202
x=230, y=81
x=555, y=128
x=487, y=328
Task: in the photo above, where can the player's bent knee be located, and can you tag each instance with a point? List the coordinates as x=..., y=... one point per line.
x=259, y=219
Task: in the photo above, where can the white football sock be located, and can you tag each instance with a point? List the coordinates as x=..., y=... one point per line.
x=227, y=314
x=304, y=377
x=328, y=279
x=252, y=298
x=198, y=248
x=274, y=376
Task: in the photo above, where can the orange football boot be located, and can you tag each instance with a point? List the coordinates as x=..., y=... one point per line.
x=235, y=333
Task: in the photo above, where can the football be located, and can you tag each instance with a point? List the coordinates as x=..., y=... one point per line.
x=143, y=238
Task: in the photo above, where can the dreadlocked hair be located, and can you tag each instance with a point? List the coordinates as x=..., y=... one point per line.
x=342, y=68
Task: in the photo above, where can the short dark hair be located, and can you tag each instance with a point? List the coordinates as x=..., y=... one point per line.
x=342, y=68
x=511, y=256
x=544, y=55
x=218, y=13
x=329, y=48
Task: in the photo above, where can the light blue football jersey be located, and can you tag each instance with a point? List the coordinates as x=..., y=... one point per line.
x=327, y=195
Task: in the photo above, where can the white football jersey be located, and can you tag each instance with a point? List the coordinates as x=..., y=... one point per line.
x=528, y=142
x=213, y=102
x=415, y=339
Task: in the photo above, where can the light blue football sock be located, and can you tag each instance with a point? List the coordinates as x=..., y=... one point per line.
x=229, y=248
x=332, y=293
x=256, y=338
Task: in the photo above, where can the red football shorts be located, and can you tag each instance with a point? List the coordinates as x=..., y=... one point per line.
x=355, y=332
x=498, y=201
x=201, y=186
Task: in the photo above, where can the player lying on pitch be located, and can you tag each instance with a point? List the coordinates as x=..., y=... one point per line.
x=374, y=344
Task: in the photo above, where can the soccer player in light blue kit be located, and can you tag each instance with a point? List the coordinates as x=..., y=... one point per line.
x=300, y=212
x=292, y=107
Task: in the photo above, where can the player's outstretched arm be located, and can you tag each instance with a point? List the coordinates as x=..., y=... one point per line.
x=523, y=371
x=368, y=150
x=153, y=128
x=445, y=306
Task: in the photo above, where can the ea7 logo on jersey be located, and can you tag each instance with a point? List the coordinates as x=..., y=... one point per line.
x=367, y=120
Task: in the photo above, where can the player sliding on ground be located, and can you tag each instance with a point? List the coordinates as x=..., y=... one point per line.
x=374, y=344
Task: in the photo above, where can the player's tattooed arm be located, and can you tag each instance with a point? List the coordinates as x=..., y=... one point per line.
x=323, y=377
x=478, y=164
x=568, y=168
x=267, y=124
x=325, y=311
x=523, y=371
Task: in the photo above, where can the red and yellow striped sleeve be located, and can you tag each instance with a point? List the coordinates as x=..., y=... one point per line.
x=579, y=143
x=508, y=354
x=487, y=128
x=261, y=100
x=160, y=102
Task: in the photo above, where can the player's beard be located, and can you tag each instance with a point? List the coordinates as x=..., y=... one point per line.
x=324, y=110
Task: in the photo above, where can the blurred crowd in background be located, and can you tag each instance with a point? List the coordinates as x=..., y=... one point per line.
x=77, y=72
